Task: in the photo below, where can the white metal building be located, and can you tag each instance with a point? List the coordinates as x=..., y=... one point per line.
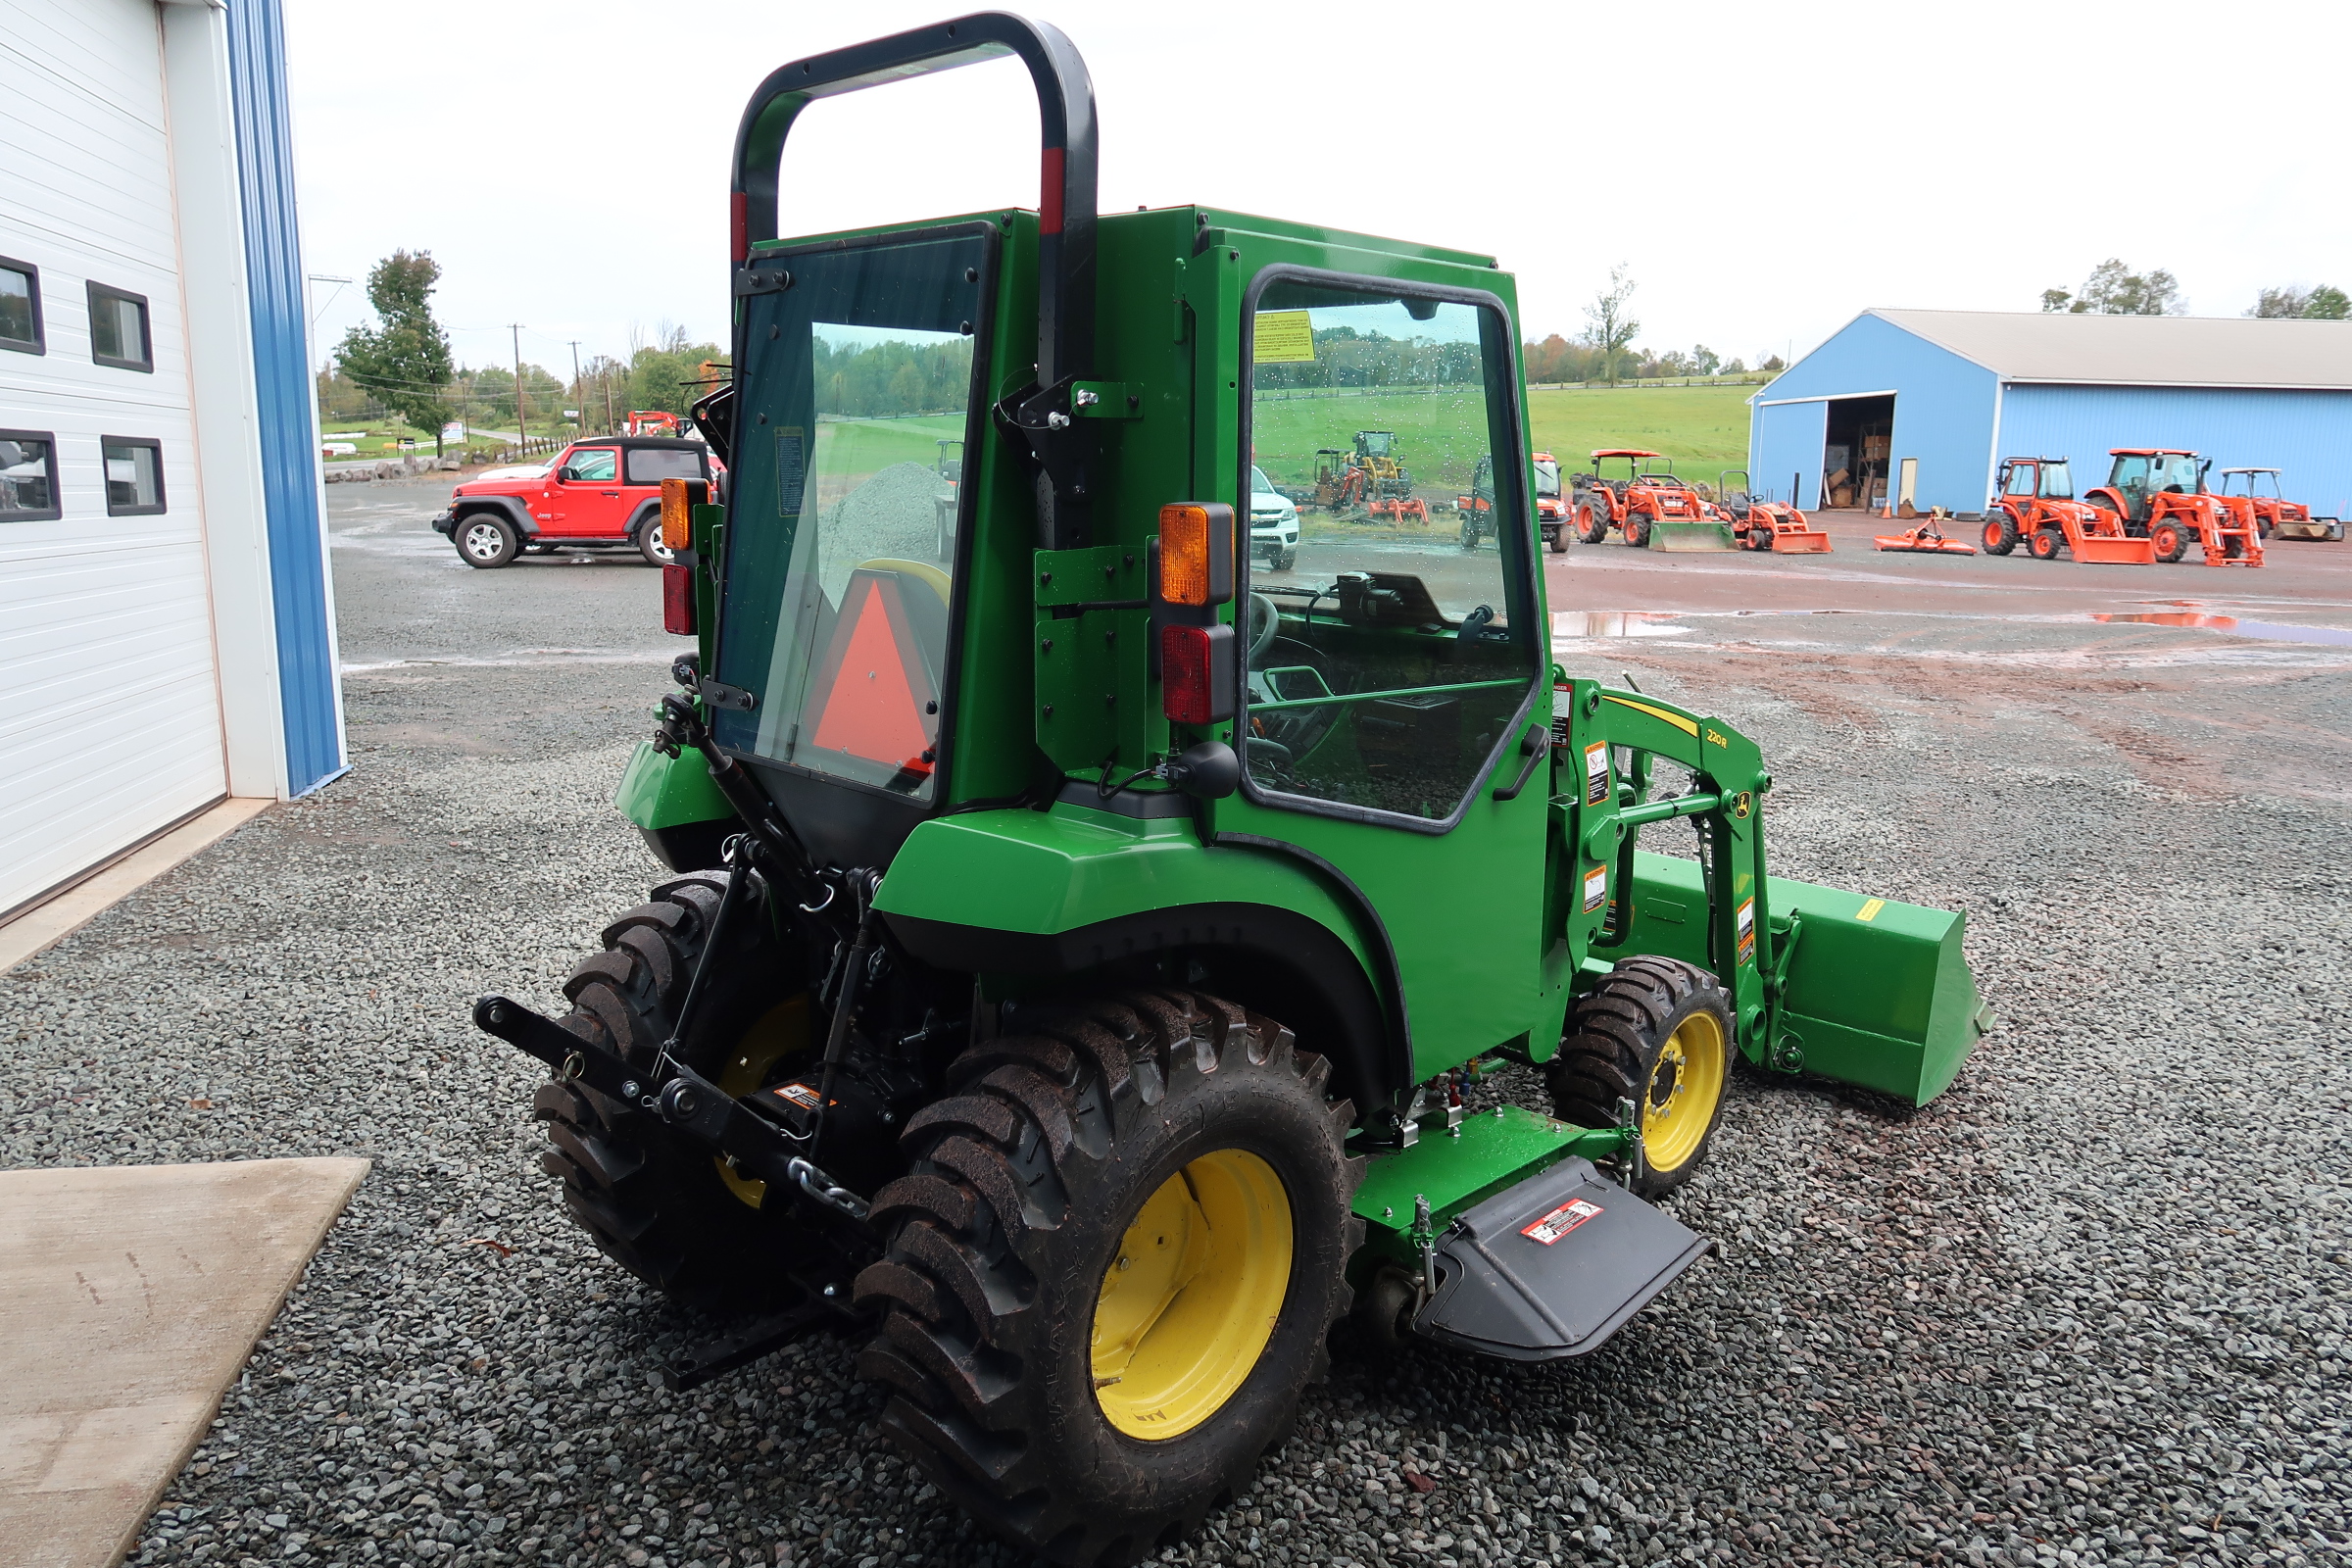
x=166, y=628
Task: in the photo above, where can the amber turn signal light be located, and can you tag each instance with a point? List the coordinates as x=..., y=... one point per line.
x=1195, y=553
x=679, y=498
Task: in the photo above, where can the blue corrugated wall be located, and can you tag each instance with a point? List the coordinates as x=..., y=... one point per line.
x=2309, y=434
x=306, y=667
x=1942, y=413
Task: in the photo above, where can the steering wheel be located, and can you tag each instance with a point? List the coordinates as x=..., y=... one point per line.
x=1264, y=621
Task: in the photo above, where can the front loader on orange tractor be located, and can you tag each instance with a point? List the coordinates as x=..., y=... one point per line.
x=1773, y=525
x=1645, y=505
x=2036, y=504
x=2160, y=494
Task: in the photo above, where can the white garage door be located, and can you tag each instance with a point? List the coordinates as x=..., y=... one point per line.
x=109, y=712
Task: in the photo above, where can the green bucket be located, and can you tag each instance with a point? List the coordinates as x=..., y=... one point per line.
x=1689, y=537
x=1879, y=993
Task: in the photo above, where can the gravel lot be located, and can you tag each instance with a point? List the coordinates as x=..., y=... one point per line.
x=2089, y=1308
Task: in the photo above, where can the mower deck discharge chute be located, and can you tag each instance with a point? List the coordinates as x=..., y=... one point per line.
x=1080, y=936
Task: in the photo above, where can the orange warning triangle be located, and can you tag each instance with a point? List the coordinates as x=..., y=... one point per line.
x=870, y=711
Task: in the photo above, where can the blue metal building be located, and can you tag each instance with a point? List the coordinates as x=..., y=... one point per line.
x=1932, y=400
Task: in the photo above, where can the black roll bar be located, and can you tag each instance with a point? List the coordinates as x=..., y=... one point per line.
x=1067, y=213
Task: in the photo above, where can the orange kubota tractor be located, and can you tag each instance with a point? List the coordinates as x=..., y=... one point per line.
x=1635, y=504
x=2036, y=504
x=2159, y=493
x=2255, y=493
x=1759, y=524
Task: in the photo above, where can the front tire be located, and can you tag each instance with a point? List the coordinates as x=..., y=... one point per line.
x=1657, y=1032
x=1111, y=1269
x=2171, y=541
x=1636, y=532
x=2046, y=544
x=485, y=540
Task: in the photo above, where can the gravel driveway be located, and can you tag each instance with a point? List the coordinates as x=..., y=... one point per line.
x=2089, y=1308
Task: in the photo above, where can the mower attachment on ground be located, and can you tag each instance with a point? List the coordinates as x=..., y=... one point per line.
x=1927, y=538
x=1553, y=1266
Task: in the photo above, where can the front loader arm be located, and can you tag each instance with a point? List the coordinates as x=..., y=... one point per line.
x=1858, y=989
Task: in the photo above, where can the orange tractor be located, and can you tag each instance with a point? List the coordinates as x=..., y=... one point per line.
x=1477, y=509
x=2036, y=504
x=1637, y=505
x=650, y=421
x=2255, y=493
x=1773, y=525
x=2159, y=493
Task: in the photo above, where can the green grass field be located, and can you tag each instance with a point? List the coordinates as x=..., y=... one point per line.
x=849, y=451
x=1702, y=429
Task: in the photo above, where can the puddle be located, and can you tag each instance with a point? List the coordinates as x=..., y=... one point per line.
x=2267, y=630
x=1615, y=624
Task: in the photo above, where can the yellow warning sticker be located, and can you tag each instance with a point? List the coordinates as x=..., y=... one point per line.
x=1870, y=910
x=1283, y=337
x=1596, y=888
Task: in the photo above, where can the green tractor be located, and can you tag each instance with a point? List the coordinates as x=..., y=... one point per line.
x=1076, y=946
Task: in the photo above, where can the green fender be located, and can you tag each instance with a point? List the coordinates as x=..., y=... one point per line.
x=1063, y=891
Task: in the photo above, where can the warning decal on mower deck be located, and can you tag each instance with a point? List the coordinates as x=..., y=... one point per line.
x=1596, y=888
x=1561, y=1220
x=800, y=1095
x=1597, y=773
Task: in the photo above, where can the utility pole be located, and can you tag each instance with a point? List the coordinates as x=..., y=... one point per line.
x=579, y=392
x=522, y=427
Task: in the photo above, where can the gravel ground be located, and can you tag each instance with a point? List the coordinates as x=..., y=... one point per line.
x=2088, y=1308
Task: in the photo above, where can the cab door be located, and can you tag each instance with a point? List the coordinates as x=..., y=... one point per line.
x=1394, y=716
x=583, y=493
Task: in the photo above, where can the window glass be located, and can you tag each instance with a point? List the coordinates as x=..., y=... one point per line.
x=2132, y=476
x=592, y=466
x=2174, y=472
x=2021, y=480
x=118, y=328
x=653, y=464
x=134, y=480
x=19, y=307
x=28, y=476
x=1384, y=667
x=2058, y=481
x=843, y=512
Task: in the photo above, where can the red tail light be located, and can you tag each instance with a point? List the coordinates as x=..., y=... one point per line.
x=677, y=600
x=1196, y=673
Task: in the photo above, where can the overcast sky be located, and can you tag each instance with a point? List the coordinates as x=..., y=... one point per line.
x=1764, y=171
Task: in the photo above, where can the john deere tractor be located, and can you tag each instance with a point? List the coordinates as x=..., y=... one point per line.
x=1075, y=943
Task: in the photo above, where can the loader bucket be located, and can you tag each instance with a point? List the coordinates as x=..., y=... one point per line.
x=1689, y=537
x=1878, y=994
x=2116, y=552
x=1811, y=542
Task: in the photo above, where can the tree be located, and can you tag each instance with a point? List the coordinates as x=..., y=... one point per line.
x=2326, y=303
x=1611, y=328
x=404, y=362
x=1735, y=368
x=1706, y=359
x=1771, y=364
x=2114, y=289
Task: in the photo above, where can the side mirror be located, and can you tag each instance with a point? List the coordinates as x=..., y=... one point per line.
x=567, y=473
x=1209, y=772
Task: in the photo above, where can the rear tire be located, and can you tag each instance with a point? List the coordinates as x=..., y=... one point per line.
x=2046, y=543
x=485, y=540
x=1041, y=1201
x=1657, y=1032
x=2000, y=533
x=653, y=1201
x=647, y=537
x=1469, y=533
x=1591, y=526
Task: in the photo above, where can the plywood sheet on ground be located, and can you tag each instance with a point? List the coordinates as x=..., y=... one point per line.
x=130, y=1299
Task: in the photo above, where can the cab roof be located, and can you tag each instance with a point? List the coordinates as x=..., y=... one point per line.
x=1624, y=451
x=2148, y=452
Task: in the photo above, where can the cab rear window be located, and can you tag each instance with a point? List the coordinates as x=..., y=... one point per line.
x=653, y=464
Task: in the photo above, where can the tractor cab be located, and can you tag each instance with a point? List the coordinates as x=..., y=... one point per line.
x=2039, y=478
x=2142, y=472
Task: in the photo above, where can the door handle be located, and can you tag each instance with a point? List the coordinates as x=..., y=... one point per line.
x=1532, y=746
x=613, y=493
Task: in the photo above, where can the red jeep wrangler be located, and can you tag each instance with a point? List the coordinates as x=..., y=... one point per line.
x=601, y=493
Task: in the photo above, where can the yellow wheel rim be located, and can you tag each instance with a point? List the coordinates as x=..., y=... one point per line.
x=782, y=1030
x=1189, y=1303
x=1685, y=1087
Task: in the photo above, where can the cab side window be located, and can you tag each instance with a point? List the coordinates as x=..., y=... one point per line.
x=1384, y=667
x=593, y=466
